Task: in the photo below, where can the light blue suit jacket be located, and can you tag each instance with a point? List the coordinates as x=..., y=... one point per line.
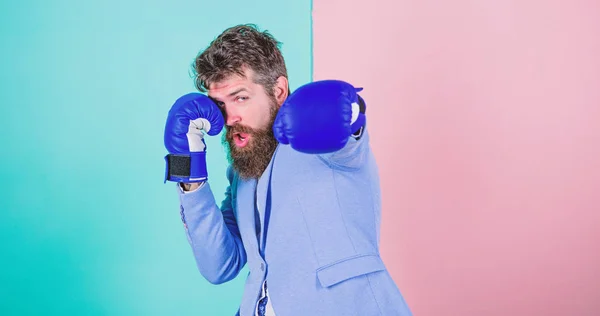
x=321, y=215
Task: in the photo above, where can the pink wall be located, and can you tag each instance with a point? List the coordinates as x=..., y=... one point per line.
x=485, y=120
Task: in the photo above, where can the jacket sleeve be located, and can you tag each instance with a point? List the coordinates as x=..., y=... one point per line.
x=213, y=233
x=352, y=156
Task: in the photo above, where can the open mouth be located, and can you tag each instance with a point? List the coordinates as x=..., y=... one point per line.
x=241, y=139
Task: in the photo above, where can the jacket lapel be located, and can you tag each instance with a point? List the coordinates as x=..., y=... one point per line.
x=263, y=202
x=245, y=207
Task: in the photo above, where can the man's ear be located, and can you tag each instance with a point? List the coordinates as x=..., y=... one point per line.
x=281, y=90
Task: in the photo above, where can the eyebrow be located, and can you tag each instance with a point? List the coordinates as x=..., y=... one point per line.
x=237, y=91
x=231, y=94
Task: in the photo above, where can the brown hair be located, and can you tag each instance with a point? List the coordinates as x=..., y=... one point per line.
x=237, y=47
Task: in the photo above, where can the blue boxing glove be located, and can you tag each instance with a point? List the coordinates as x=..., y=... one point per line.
x=189, y=116
x=320, y=117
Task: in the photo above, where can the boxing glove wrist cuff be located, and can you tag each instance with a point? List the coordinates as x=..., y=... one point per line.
x=358, y=126
x=186, y=168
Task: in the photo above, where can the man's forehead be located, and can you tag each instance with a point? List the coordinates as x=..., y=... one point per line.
x=227, y=85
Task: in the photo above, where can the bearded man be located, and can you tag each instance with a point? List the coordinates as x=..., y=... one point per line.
x=303, y=207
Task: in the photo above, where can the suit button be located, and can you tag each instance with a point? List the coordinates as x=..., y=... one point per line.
x=262, y=266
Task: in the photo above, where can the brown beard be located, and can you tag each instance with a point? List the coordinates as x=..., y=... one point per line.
x=251, y=161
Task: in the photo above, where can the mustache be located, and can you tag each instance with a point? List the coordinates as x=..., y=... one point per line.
x=239, y=128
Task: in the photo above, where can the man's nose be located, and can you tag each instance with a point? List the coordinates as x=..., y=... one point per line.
x=231, y=118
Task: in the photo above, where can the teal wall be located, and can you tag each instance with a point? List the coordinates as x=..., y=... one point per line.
x=87, y=226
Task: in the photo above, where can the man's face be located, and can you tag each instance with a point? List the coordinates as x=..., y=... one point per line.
x=249, y=114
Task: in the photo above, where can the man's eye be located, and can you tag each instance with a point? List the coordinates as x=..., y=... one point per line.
x=241, y=99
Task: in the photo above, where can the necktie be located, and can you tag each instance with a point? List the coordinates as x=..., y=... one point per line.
x=262, y=303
